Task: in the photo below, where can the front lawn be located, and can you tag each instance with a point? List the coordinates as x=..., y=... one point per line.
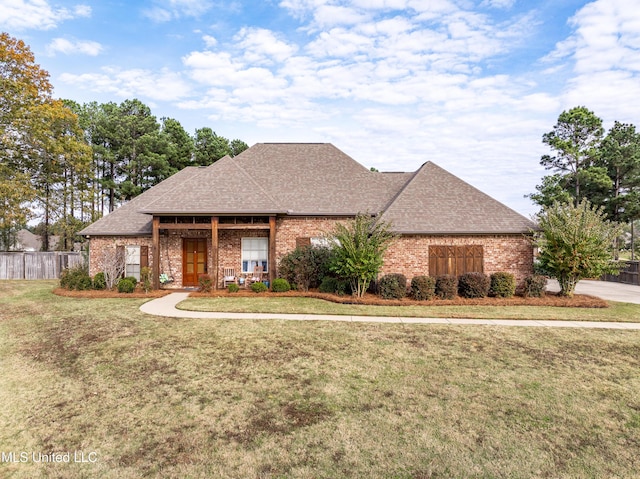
x=162, y=397
x=624, y=312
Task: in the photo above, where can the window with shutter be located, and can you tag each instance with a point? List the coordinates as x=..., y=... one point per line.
x=455, y=260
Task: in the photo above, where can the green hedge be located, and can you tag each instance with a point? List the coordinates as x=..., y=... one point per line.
x=423, y=288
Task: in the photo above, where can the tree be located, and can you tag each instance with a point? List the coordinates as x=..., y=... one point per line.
x=210, y=147
x=575, y=140
x=40, y=138
x=358, y=250
x=620, y=156
x=17, y=192
x=576, y=242
x=179, y=145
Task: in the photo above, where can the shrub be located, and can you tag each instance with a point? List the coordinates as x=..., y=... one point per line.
x=99, y=281
x=133, y=279
x=473, y=285
x=535, y=286
x=503, y=285
x=258, y=287
x=145, y=278
x=393, y=286
x=280, y=285
x=446, y=286
x=126, y=285
x=305, y=266
x=423, y=288
x=76, y=278
x=205, y=282
x=234, y=288
x=334, y=285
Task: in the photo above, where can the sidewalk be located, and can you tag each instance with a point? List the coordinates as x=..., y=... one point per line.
x=166, y=307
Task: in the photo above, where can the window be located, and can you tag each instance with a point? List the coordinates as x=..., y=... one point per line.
x=132, y=264
x=255, y=252
x=455, y=260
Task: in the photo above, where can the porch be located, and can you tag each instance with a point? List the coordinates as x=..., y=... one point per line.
x=207, y=244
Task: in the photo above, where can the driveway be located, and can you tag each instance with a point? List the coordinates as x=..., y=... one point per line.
x=625, y=293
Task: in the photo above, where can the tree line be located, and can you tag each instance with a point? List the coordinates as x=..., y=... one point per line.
x=588, y=164
x=68, y=164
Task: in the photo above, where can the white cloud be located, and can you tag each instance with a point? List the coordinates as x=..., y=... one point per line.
x=209, y=41
x=167, y=10
x=263, y=46
x=68, y=47
x=164, y=85
x=22, y=15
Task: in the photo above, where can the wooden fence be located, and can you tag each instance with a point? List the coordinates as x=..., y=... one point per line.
x=628, y=275
x=40, y=265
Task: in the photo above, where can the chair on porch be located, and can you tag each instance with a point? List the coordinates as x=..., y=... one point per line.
x=229, y=276
x=256, y=277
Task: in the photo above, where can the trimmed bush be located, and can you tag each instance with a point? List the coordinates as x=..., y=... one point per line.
x=258, y=287
x=423, y=288
x=205, y=282
x=126, y=285
x=233, y=288
x=76, y=278
x=535, y=286
x=280, y=285
x=503, y=285
x=473, y=285
x=305, y=266
x=393, y=286
x=99, y=281
x=446, y=286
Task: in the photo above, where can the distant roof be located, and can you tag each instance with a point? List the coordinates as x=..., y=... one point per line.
x=316, y=179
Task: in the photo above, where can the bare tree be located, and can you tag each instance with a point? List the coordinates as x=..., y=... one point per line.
x=113, y=264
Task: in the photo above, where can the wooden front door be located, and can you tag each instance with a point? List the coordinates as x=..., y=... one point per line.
x=194, y=260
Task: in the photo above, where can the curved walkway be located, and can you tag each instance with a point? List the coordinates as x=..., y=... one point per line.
x=166, y=306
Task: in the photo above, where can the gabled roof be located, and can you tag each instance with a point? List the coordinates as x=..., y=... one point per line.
x=435, y=201
x=316, y=179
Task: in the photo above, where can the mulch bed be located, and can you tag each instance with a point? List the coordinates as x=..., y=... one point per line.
x=110, y=294
x=550, y=299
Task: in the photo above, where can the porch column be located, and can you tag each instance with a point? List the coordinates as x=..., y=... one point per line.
x=272, y=249
x=156, y=252
x=214, y=250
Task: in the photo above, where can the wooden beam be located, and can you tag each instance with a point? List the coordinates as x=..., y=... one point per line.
x=235, y=226
x=272, y=249
x=156, y=252
x=214, y=250
x=184, y=226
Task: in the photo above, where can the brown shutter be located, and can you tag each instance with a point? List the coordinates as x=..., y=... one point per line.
x=144, y=257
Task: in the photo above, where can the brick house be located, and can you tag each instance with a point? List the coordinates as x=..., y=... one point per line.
x=254, y=208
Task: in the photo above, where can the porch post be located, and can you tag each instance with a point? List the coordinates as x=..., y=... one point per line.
x=272, y=249
x=156, y=252
x=214, y=250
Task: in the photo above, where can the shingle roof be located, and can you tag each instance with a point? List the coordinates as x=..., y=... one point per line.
x=437, y=202
x=316, y=179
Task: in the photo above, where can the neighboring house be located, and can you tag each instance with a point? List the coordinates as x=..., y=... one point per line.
x=27, y=241
x=256, y=207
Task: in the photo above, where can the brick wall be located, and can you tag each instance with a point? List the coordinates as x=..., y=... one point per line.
x=409, y=255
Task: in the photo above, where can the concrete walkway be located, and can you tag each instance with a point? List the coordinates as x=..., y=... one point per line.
x=166, y=307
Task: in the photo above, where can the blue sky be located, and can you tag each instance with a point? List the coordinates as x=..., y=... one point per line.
x=470, y=85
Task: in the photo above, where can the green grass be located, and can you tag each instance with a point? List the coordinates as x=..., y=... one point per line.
x=161, y=397
x=624, y=312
